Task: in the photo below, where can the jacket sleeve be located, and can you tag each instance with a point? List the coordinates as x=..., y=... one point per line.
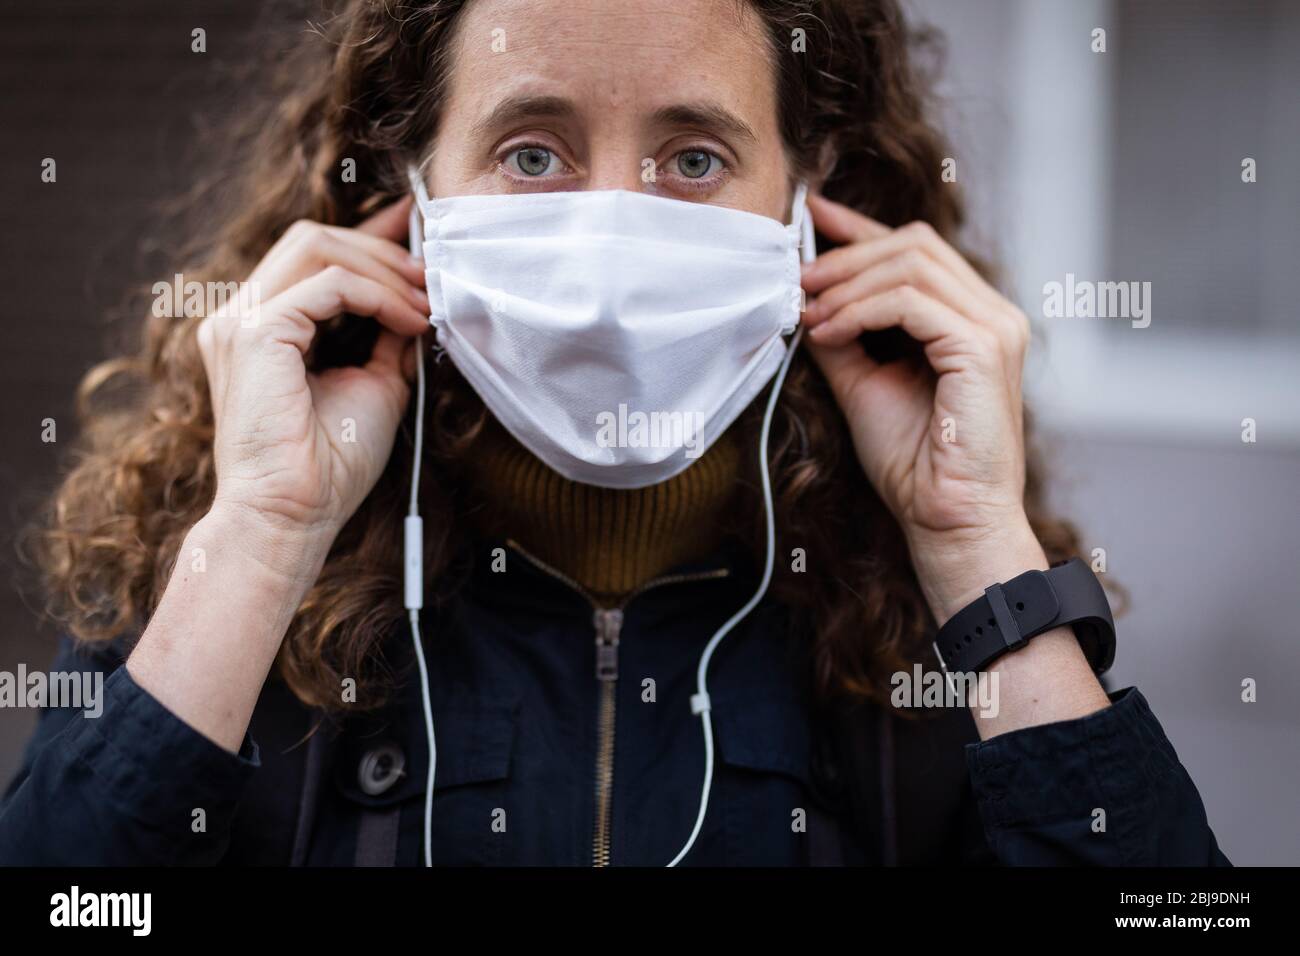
x=1104, y=790
x=122, y=782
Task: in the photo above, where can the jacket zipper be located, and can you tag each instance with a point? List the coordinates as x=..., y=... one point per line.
x=608, y=624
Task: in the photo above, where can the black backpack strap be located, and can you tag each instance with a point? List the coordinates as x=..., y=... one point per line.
x=313, y=771
x=825, y=839
x=377, y=837
x=897, y=786
x=853, y=776
x=887, y=777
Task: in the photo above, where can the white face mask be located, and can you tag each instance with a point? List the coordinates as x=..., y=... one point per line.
x=616, y=335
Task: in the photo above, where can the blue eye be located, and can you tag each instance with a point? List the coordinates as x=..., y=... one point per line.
x=695, y=163
x=532, y=160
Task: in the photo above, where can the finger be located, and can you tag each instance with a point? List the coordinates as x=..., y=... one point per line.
x=993, y=311
x=386, y=357
x=843, y=263
x=912, y=267
x=839, y=265
x=926, y=237
x=386, y=365
x=307, y=247
x=394, y=254
x=411, y=356
x=839, y=223
x=377, y=259
x=335, y=290
x=389, y=222
x=920, y=316
x=205, y=339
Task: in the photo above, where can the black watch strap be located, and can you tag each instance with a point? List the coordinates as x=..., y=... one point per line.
x=1009, y=614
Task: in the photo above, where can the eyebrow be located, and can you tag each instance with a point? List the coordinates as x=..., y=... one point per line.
x=515, y=108
x=706, y=116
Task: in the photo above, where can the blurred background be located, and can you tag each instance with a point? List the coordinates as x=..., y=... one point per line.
x=1117, y=166
x=1127, y=166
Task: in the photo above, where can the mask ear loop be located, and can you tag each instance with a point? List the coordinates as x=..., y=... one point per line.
x=801, y=220
x=422, y=202
x=807, y=234
x=413, y=563
x=700, y=702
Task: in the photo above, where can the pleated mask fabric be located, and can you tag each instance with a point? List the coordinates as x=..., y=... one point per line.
x=615, y=334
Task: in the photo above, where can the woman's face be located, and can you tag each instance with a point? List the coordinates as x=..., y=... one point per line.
x=675, y=98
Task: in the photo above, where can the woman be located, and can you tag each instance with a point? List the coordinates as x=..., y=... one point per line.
x=229, y=551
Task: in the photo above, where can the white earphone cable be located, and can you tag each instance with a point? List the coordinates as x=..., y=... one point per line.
x=415, y=598
x=413, y=565
x=700, y=702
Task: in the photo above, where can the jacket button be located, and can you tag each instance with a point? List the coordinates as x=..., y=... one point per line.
x=380, y=769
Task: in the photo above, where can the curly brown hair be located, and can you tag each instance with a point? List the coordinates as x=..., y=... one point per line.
x=366, y=85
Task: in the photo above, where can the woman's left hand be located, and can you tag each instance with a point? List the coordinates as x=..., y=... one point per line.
x=942, y=440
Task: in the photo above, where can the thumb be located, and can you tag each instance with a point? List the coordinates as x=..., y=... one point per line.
x=843, y=366
x=411, y=356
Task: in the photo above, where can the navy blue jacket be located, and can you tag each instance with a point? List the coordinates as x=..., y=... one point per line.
x=543, y=761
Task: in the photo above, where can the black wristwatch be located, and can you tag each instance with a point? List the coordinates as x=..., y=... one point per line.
x=1009, y=614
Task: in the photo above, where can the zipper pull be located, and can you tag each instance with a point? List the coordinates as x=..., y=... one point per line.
x=608, y=622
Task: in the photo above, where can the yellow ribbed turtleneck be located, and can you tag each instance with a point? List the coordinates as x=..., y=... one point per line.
x=608, y=540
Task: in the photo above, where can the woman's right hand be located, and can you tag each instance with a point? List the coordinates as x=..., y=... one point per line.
x=288, y=476
x=297, y=452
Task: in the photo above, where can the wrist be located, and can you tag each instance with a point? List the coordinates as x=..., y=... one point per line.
x=954, y=567
x=287, y=554
x=232, y=596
